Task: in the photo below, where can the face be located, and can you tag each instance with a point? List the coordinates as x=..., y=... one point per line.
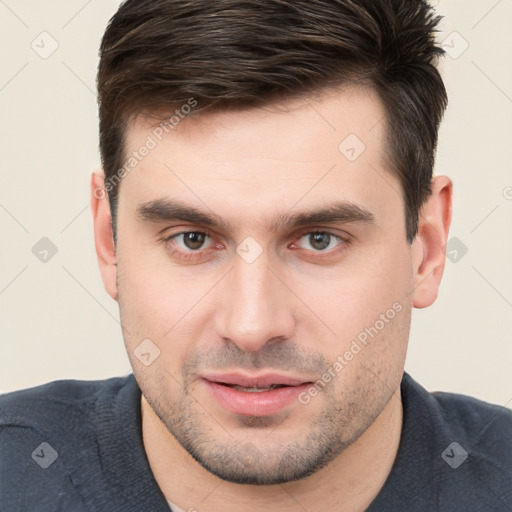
x=263, y=253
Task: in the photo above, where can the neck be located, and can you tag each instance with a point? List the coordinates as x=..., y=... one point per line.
x=350, y=482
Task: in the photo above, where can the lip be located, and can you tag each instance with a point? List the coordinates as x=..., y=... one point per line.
x=261, y=380
x=246, y=403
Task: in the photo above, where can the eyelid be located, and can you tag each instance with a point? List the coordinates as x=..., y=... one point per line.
x=343, y=235
x=168, y=238
x=185, y=255
x=306, y=231
x=344, y=239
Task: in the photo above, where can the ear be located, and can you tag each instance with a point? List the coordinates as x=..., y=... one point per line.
x=429, y=246
x=103, y=236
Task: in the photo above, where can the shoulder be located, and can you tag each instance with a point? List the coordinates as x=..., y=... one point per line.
x=472, y=444
x=471, y=413
x=50, y=403
x=486, y=427
x=46, y=433
x=485, y=434
x=462, y=416
x=69, y=389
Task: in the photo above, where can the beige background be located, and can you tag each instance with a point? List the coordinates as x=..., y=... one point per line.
x=56, y=319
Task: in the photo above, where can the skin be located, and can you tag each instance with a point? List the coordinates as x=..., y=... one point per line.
x=293, y=310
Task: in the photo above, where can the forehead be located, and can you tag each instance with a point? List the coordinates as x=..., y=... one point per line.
x=304, y=150
x=302, y=118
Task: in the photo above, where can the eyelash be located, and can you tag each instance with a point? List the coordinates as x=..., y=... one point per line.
x=343, y=242
x=187, y=254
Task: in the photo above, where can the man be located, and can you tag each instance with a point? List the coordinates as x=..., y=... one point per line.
x=266, y=220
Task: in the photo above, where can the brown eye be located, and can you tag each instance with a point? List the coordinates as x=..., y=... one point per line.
x=194, y=239
x=190, y=241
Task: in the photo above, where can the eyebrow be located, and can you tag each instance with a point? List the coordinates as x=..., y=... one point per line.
x=168, y=210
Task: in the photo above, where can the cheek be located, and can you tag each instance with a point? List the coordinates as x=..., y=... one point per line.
x=150, y=301
x=148, y=283
x=161, y=304
x=353, y=297
x=369, y=309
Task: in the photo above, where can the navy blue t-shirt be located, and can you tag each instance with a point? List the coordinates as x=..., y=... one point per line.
x=76, y=446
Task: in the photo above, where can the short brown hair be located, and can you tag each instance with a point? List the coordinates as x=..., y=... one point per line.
x=227, y=54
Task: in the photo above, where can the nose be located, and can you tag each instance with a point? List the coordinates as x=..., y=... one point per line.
x=255, y=307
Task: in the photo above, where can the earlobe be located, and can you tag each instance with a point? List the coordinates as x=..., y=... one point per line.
x=103, y=236
x=429, y=247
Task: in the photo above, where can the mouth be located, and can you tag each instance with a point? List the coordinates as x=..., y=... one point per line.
x=253, y=389
x=259, y=395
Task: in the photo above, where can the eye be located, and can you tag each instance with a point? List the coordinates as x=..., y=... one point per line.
x=320, y=241
x=198, y=245
x=190, y=241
